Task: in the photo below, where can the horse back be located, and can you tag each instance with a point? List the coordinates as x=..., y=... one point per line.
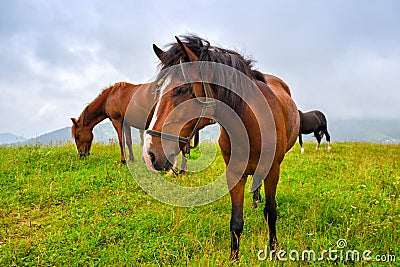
x=311, y=121
x=130, y=102
x=276, y=82
x=118, y=99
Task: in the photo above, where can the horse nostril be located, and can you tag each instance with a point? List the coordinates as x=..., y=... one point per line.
x=152, y=157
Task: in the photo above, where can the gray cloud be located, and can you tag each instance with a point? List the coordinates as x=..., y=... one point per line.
x=339, y=56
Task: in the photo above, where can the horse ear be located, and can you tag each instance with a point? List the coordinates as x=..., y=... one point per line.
x=186, y=52
x=74, y=122
x=159, y=52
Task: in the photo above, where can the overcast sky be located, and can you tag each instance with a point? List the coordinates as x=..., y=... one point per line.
x=342, y=57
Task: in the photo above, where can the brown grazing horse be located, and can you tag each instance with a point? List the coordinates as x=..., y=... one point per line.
x=187, y=87
x=126, y=105
x=112, y=103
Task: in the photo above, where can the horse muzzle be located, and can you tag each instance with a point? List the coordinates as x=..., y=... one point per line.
x=84, y=153
x=160, y=163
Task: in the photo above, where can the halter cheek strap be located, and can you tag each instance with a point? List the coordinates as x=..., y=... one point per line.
x=208, y=103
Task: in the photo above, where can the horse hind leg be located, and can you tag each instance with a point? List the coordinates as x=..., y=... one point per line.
x=328, y=139
x=318, y=135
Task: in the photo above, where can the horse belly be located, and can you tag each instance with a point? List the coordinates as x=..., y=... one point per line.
x=310, y=123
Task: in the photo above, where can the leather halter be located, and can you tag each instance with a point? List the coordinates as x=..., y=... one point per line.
x=209, y=102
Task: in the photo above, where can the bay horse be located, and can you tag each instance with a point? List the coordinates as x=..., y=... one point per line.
x=113, y=103
x=214, y=102
x=314, y=122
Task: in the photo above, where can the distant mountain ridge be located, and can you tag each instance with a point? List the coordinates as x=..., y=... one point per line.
x=103, y=133
x=9, y=138
x=375, y=131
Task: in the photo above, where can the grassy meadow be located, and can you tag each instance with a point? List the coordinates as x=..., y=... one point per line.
x=59, y=210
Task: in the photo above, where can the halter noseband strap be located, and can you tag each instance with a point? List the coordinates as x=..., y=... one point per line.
x=171, y=137
x=209, y=102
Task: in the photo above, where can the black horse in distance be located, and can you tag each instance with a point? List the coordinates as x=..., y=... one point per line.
x=314, y=122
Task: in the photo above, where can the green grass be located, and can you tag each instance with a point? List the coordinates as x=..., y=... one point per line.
x=58, y=210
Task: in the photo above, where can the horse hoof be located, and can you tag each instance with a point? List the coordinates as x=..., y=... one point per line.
x=274, y=245
x=254, y=205
x=122, y=163
x=234, y=258
x=170, y=173
x=302, y=151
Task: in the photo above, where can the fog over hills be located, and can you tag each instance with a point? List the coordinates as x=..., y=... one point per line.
x=376, y=131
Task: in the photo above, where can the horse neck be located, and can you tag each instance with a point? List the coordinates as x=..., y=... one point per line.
x=95, y=111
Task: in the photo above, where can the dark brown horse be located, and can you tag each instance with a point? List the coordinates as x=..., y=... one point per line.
x=314, y=122
x=263, y=139
x=112, y=103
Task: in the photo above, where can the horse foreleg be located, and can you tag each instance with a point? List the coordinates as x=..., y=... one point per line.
x=184, y=164
x=141, y=134
x=319, y=137
x=256, y=197
x=128, y=136
x=270, y=212
x=301, y=144
x=175, y=168
x=118, y=127
x=236, y=223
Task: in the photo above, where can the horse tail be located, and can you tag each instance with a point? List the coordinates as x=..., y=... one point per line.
x=321, y=116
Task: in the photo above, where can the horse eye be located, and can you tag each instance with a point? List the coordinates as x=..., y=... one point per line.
x=181, y=91
x=78, y=136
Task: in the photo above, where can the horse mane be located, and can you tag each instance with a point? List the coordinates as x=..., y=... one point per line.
x=205, y=52
x=96, y=105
